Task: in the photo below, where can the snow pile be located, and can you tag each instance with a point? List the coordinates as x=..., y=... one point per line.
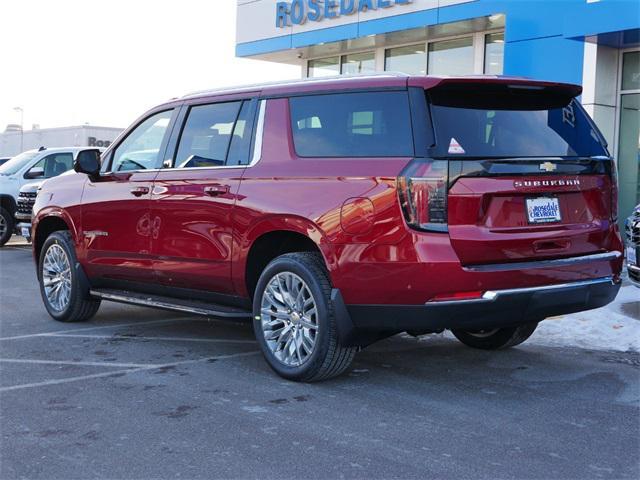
x=614, y=327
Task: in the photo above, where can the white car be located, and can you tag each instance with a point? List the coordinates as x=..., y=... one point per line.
x=31, y=165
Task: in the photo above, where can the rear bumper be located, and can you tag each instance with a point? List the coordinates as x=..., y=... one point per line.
x=497, y=308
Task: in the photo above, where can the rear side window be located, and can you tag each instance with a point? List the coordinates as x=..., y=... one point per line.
x=370, y=124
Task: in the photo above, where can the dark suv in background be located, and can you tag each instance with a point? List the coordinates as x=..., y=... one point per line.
x=336, y=212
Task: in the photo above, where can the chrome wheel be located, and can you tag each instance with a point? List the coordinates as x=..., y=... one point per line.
x=289, y=319
x=56, y=277
x=3, y=226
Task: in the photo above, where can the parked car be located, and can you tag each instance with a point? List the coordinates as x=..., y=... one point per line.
x=4, y=160
x=632, y=226
x=31, y=165
x=336, y=212
x=24, y=207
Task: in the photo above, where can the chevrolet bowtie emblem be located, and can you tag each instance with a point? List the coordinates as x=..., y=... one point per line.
x=548, y=166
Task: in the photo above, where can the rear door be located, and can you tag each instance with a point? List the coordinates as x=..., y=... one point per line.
x=529, y=174
x=194, y=195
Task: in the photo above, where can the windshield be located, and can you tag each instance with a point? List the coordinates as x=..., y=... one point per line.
x=512, y=130
x=16, y=163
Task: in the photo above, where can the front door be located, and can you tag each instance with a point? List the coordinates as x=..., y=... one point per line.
x=116, y=222
x=193, y=200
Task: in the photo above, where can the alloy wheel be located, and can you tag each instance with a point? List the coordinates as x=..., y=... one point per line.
x=56, y=277
x=289, y=319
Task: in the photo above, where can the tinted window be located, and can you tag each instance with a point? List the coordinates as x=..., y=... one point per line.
x=493, y=132
x=55, y=164
x=240, y=148
x=141, y=149
x=375, y=124
x=206, y=135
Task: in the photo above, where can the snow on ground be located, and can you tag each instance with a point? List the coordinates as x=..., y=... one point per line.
x=614, y=327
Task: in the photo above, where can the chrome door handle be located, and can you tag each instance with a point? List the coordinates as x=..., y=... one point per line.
x=139, y=191
x=215, y=190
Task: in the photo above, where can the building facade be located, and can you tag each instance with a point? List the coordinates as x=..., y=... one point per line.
x=14, y=141
x=595, y=43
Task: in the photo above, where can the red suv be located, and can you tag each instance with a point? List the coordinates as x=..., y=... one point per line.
x=336, y=212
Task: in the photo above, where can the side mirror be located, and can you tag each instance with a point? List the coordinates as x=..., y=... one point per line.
x=88, y=162
x=35, y=172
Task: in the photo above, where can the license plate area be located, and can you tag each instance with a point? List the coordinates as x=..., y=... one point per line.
x=632, y=255
x=543, y=210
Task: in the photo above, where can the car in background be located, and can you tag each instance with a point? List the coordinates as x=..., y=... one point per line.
x=4, y=160
x=38, y=164
x=24, y=208
x=632, y=227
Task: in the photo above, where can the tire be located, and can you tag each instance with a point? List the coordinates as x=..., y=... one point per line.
x=6, y=226
x=78, y=306
x=496, y=339
x=317, y=353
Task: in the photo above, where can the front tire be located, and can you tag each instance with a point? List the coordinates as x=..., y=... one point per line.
x=294, y=319
x=64, y=293
x=498, y=338
x=6, y=226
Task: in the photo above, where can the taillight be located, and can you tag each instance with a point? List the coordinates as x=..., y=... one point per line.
x=614, y=191
x=422, y=188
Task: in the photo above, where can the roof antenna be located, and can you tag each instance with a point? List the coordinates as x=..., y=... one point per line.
x=42, y=148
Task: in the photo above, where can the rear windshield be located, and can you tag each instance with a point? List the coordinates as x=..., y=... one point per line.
x=515, y=128
x=366, y=124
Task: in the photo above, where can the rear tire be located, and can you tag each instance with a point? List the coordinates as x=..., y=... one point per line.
x=6, y=226
x=294, y=319
x=498, y=338
x=64, y=289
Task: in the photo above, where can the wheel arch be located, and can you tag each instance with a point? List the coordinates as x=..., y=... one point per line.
x=47, y=223
x=274, y=237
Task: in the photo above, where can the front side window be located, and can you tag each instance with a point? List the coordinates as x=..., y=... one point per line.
x=207, y=134
x=55, y=164
x=370, y=124
x=141, y=149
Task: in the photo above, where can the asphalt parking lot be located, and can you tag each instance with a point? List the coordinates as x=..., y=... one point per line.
x=140, y=393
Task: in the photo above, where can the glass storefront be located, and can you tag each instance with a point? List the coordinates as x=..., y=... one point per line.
x=494, y=53
x=324, y=67
x=358, y=63
x=455, y=56
x=629, y=134
x=451, y=57
x=411, y=60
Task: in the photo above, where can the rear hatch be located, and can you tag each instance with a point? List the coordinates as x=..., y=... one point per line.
x=522, y=173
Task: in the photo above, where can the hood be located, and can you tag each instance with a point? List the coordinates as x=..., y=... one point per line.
x=32, y=187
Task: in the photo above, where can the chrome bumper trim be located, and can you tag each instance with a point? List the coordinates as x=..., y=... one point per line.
x=493, y=295
x=558, y=262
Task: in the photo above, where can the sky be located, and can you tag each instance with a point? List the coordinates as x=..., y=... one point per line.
x=104, y=62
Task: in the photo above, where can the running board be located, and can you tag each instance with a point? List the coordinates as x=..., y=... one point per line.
x=168, y=303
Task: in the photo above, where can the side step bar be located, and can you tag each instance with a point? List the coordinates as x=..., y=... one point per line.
x=167, y=303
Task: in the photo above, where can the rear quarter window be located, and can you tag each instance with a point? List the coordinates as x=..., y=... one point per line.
x=364, y=124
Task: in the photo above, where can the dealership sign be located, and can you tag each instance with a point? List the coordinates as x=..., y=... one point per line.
x=297, y=12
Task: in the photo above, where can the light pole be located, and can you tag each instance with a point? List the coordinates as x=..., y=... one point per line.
x=21, y=110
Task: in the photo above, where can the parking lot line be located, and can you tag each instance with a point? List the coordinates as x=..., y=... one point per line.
x=124, y=371
x=79, y=363
x=101, y=327
x=169, y=339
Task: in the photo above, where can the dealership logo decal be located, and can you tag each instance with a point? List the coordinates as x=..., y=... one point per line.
x=297, y=12
x=561, y=182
